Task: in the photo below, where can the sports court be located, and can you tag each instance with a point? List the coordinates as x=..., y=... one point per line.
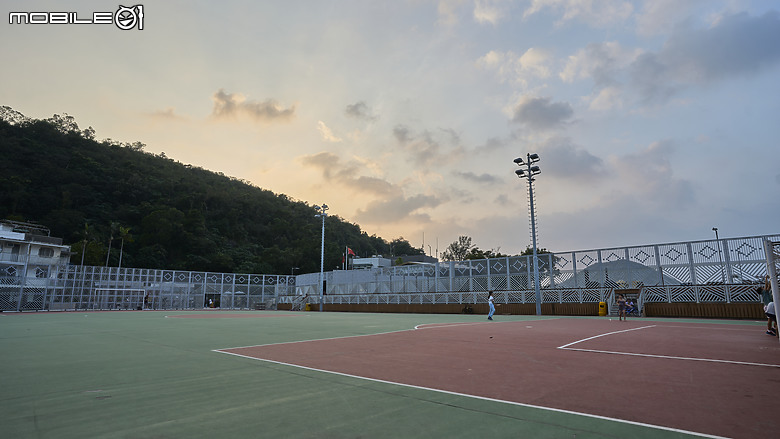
x=690, y=376
x=284, y=374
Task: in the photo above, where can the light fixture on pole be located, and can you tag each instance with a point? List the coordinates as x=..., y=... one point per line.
x=529, y=174
x=322, y=214
x=720, y=257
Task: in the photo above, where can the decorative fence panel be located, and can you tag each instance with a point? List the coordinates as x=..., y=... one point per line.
x=77, y=287
x=726, y=270
x=707, y=271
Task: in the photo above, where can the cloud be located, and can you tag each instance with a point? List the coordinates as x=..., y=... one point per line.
x=541, y=113
x=348, y=174
x=502, y=200
x=231, y=105
x=510, y=67
x=491, y=144
x=325, y=161
x=599, y=61
x=426, y=148
x=398, y=208
x=327, y=134
x=447, y=10
x=606, y=99
x=565, y=160
x=600, y=13
x=736, y=46
x=488, y=11
x=169, y=113
x=661, y=16
x=648, y=175
x=390, y=204
x=474, y=178
x=360, y=110
x=401, y=134
x=606, y=64
x=650, y=77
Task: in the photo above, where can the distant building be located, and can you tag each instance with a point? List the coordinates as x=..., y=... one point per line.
x=376, y=261
x=28, y=251
x=417, y=259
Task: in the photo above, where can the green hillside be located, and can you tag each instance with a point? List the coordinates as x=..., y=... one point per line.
x=171, y=215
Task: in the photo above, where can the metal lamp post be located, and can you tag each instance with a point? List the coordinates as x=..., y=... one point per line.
x=529, y=174
x=720, y=257
x=322, y=214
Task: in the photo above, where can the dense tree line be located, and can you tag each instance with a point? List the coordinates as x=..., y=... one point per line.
x=110, y=200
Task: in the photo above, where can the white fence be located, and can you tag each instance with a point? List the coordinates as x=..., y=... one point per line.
x=726, y=270
x=109, y=288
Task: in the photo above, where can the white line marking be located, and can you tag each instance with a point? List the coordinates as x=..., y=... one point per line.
x=417, y=327
x=711, y=360
x=448, y=325
x=605, y=334
x=307, y=341
x=519, y=404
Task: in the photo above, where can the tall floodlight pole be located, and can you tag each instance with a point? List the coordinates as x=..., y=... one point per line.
x=322, y=214
x=720, y=257
x=529, y=174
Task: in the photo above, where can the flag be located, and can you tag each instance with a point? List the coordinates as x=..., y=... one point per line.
x=350, y=252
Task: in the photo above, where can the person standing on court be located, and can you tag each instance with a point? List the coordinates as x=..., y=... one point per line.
x=491, y=305
x=621, y=301
x=772, y=316
x=766, y=299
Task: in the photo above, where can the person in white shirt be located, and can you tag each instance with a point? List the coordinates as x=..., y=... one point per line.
x=492, y=306
x=770, y=314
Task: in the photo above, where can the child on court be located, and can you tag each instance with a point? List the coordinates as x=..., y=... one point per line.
x=621, y=301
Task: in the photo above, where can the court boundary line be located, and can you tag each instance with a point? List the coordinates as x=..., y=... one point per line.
x=419, y=327
x=466, y=395
x=670, y=357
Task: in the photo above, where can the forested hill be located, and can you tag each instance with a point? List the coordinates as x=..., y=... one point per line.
x=160, y=213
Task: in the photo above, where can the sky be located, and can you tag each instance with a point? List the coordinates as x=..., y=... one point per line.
x=654, y=121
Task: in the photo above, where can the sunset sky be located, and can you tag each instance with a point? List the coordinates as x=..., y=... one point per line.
x=655, y=121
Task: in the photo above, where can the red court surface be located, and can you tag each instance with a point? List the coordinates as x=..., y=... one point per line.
x=712, y=379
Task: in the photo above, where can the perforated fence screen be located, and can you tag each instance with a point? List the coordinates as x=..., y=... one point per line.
x=726, y=270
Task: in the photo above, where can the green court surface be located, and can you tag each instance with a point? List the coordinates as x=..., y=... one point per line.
x=146, y=374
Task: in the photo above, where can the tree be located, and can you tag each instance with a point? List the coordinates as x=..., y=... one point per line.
x=181, y=216
x=12, y=116
x=476, y=253
x=458, y=250
x=113, y=228
x=87, y=236
x=64, y=123
x=400, y=247
x=124, y=233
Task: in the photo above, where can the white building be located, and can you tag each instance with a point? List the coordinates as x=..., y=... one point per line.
x=372, y=262
x=28, y=250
